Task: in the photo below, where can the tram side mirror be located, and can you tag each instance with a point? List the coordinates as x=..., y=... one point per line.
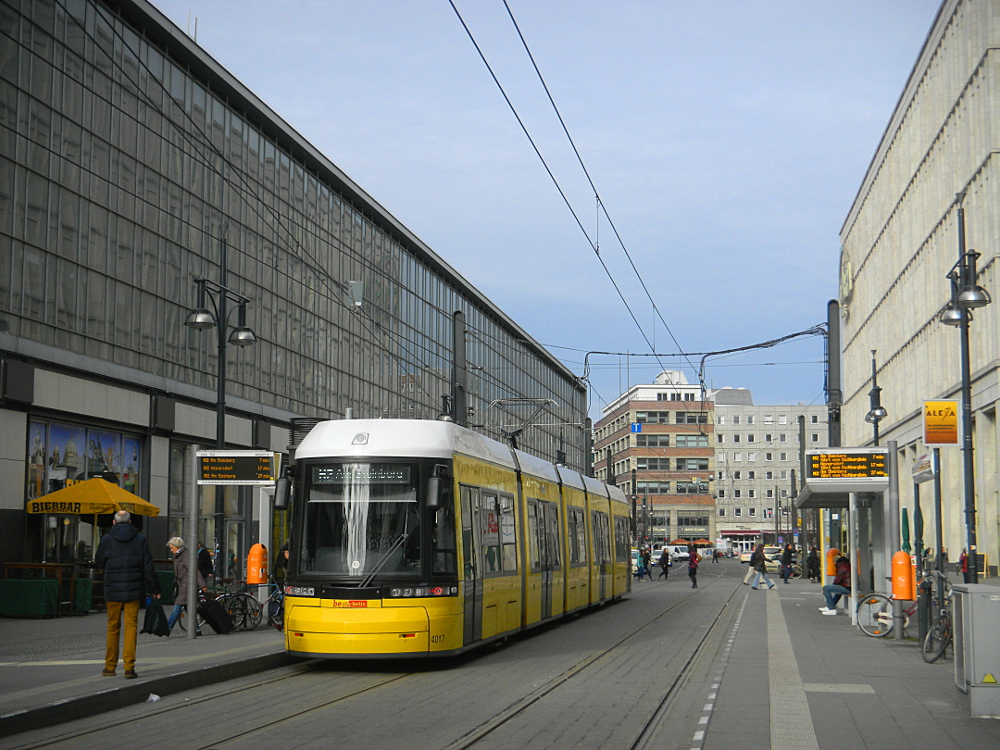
x=283, y=490
x=434, y=489
x=433, y=493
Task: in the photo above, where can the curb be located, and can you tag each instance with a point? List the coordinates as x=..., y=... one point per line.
x=72, y=709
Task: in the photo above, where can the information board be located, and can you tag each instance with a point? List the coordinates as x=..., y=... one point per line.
x=235, y=467
x=847, y=469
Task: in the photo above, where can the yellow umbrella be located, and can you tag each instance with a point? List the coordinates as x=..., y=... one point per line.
x=93, y=497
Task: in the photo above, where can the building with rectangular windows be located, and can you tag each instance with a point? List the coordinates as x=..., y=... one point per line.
x=132, y=163
x=657, y=439
x=900, y=241
x=757, y=466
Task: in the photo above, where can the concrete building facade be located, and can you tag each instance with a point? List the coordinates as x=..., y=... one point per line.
x=757, y=464
x=900, y=240
x=657, y=439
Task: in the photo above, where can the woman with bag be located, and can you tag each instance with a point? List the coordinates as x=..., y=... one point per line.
x=759, y=563
x=693, y=559
x=181, y=568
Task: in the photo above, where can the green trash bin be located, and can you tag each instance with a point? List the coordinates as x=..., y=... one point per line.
x=83, y=596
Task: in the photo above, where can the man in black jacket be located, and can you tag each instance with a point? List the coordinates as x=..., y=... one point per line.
x=128, y=578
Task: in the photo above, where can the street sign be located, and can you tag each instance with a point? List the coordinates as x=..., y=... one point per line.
x=923, y=468
x=940, y=423
x=847, y=470
x=236, y=467
x=637, y=427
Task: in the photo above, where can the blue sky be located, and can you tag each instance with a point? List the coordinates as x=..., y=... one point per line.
x=726, y=140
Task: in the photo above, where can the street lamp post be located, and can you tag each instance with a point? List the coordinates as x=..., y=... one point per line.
x=966, y=295
x=876, y=413
x=201, y=318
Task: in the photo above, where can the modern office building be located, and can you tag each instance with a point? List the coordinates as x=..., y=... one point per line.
x=657, y=439
x=131, y=165
x=757, y=466
x=900, y=241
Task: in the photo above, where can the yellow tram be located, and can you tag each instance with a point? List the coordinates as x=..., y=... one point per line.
x=423, y=538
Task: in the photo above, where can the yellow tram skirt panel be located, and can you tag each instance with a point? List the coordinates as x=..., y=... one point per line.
x=341, y=627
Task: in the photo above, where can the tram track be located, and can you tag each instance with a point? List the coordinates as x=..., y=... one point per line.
x=644, y=733
x=250, y=725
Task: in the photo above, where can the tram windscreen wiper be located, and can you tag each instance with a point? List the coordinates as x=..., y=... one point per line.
x=385, y=557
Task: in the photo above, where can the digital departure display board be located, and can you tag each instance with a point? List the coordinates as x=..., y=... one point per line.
x=848, y=469
x=846, y=465
x=235, y=467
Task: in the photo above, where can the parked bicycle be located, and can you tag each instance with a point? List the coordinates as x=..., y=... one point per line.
x=274, y=605
x=875, y=612
x=940, y=633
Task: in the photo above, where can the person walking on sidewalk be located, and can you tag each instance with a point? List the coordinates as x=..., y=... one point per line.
x=841, y=586
x=128, y=578
x=812, y=564
x=205, y=562
x=759, y=563
x=181, y=570
x=786, y=562
x=693, y=559
x=664, y=564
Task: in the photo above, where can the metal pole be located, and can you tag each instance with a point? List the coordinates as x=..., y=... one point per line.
x=891, y=538
x=968, y=468
x=852, y=555
x=220, y=418
x=938, y=531
x=192, y=543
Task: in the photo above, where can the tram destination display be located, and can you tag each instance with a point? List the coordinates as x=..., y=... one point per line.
x=847, y=469
x=235, y=467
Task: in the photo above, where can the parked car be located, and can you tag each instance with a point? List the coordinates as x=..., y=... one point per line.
x=745, y=555
x=678, y=552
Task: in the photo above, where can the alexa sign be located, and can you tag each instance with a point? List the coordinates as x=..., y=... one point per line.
x=940, y=423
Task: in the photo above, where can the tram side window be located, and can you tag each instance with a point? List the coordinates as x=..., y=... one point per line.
x=534, y=563
x=552, y=537
x=602, y=548
x=489, y=519
x=443, y=539
x=508, y=534
x=577, y=536
x=621, y=540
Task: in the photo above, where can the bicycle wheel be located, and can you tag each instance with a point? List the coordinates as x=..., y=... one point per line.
x=875, y=615
x=937, y=639
x=182, y=620
x=244, y=610
x=796, y=572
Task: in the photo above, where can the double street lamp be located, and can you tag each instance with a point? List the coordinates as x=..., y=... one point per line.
x=877, y=412
x=966, y=295
x=202, y=318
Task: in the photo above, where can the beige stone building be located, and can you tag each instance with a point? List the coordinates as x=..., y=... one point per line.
x=940, y=152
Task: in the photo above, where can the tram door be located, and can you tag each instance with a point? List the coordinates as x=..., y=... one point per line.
x=471, y=553
x=602, y=549
x=548, y=550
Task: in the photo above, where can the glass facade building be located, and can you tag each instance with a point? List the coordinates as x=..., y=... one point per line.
x=130, y=162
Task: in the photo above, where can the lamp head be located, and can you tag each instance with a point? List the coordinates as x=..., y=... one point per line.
x=876, y=415
x=974, y=296
x=952, y=316
x=242, y=336
x=200, y=319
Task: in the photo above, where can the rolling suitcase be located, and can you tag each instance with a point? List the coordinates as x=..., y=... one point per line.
x=216, y=616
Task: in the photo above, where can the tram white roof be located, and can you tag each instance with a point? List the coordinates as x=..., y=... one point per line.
x=595, y=487
x=570, y=478
x=399, y=438
x=616, y=493
x=537, y=467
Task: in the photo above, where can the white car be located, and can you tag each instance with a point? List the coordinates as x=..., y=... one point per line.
x=678, y=552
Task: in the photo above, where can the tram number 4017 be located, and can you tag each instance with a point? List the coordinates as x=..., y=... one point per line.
x=437, y=639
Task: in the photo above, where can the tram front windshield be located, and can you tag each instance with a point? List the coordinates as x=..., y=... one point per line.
x=361, y=519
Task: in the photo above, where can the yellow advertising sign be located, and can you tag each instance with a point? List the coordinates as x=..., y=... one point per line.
x=940, y=423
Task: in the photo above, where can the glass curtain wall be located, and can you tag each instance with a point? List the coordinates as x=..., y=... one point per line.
x=124, y=167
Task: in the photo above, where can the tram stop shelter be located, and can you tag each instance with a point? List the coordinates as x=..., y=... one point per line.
x=863, y=481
